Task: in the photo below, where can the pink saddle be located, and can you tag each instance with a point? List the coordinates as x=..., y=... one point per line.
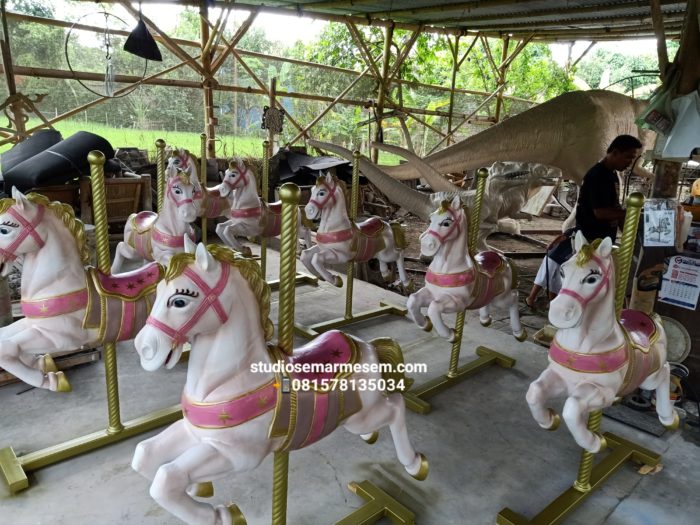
x=640, y=327
x=275, y=207
x=489, y=263
x=371, y=226
x=330, y=348
x=144, y=220
x=131, y=284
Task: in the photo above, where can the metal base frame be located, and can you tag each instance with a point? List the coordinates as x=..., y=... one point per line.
x=622, y=451
x=14, y=469
x=416, y=398
x=299, y=278
x=384, y=309
x=379, y=505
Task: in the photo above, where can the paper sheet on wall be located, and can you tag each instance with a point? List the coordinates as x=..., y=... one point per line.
x=680, y=284
x=659, y=222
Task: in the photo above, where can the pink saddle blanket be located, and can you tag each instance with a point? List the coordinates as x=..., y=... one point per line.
x=144, y=220
x=328, y=350
x=489, y=262
x=131, y=284
x=640, y=327
x=371, y=226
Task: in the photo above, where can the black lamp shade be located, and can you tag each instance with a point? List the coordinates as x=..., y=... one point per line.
x=141, y=43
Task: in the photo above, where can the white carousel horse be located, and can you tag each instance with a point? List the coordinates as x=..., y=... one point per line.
x=150, y=236
x=594, y=358
x=338, y=240
x=233, y=416
x=65, y=305
x=212, y=202
x=455, y=282
x=249, y=215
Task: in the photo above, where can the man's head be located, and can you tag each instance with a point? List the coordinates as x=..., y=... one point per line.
x=622, y=152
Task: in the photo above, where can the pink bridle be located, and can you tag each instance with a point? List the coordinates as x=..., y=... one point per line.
x=331, y=195
x=242, y=178
x=196, y=194
x=29, y=230
x=604, y=281
x=456, y=221
x=211, y=300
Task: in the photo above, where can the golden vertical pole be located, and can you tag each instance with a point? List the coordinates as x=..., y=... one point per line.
x=264, y=192
x=352, y=215
x=583, y=480
x=289, y=193
x=624, y=256
x=99, y=205
x=160, y=172
x=203, y=180
x=473, y=226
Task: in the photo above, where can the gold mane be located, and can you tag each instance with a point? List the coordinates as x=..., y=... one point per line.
x=249, y=269
x=62, y=211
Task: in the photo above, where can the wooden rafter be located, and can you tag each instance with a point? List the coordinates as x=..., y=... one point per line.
x=657, y=19
x=401, y=58
x=469, y=49
x=585, y=52
x=219, y=61
x=487, y=49
x=364, y=51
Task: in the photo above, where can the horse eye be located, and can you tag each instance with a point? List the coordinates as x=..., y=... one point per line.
x=4, y=231
x=591, y=279
x=179, y=303
x=445, y=223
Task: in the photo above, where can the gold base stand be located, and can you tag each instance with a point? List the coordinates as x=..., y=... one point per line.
x=416, y=398
x=14, y=469
x=299, y=278
x=315, y=329
x=622, y=451
x=379, y=505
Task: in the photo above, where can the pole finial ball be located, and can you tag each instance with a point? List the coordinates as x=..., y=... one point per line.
x=160, y=143
x=482, y=173
x=635, y=200
x=96, y=157
x=290, y=193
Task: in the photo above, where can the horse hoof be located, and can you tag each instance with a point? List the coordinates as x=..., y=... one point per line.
x=556, y=421
x=246, y=252
x=520, y=338
x=675, y=423
x=338, y=282
x=453, y=336
x=48, y=364
x=423, y=470
x=371, y=439
x=237, y=517
x=203, y=490
x=409, y=286
x=62, y=384
x=428, y=325
x=486, y=322
x=603, y=443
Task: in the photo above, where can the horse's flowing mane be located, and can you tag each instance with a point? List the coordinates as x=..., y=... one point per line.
x=586, y=252
x=62, y=211
x=249, y=269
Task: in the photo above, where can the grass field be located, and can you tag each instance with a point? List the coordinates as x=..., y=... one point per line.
x=226, y=146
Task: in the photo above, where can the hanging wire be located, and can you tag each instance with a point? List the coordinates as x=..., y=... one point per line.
x=109, y=71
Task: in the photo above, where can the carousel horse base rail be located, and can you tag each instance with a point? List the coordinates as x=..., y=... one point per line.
x=14, y=469
x=621, y=452
x=309, y=332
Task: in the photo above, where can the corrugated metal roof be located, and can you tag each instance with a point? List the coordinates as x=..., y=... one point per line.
x=545, y=19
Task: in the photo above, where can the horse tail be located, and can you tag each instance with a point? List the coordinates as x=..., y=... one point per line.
x=389, y=351
x=399, y=235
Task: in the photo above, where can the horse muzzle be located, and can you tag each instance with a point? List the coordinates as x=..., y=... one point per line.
x=155, y=350
x=312, y=211
x=565, y=312
x=188, y=213
x=429, y=245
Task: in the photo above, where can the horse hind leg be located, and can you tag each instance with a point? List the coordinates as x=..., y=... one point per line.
x=518, y=331
x=586, y=398
x=660, y=382
x=545, y=387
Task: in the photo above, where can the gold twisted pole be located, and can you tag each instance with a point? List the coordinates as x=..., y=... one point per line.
x=624, y=256
x=474, y=218
x=264, y=190
x=203, y=181
x=99, y=206
x=289, y=193
x=475, y=215
x=583, y=480
x=352, y=215
x=160, y=172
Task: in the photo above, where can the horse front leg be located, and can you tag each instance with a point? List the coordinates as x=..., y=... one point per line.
x=319, y=261
x=435, y=311
x=660, y=382
x=544, y=388
x=225, y=231
x=169, y=488
x=586, y=398
x=518, y=331
x=306, y=256
x=415, y=302
x=402, y=271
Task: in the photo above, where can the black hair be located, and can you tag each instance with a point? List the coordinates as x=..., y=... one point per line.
x=624, y=143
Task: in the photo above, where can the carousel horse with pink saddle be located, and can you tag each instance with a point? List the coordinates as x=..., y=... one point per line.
x=234, y=414
x=339, y=240
x=65, y=304
x=151, y=236
x=212, y=202
x=595, y=359
x=249, y=215
x=456, y=281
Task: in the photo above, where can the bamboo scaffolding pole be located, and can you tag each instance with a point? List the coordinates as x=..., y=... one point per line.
x=219, y=61
x=455, y=67
x=502, y=70
x=384, y=85
x=657, y=19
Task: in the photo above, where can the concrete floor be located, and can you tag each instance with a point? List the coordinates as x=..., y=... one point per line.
x=485, y=450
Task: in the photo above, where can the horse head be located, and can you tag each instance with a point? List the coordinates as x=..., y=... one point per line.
x=587, y=278
x=19, y=229
x=236, y=176
x=183, y=186
x=446, y=224
x=323, y=193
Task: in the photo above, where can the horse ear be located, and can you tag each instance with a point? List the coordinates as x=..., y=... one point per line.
x=190, y=245
x=19, y=197
x=579, y=241
x=329, y=177
x=203, y=258
x=240, y=164
x=456, y=203
x=605, y=247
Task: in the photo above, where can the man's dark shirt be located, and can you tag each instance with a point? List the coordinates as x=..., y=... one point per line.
x=599, y=190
